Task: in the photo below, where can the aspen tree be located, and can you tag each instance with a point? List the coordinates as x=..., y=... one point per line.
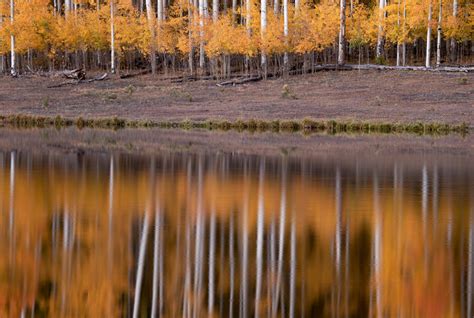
x=398, y=25
x=380, y=37
x=285, y=34
x=12, y=40
x=263, y=27
x=428, y=35
x=341, y=59
x=438, y=39
x=452, y=40
x=201, y=33
x=151, y=24
x=112, y=36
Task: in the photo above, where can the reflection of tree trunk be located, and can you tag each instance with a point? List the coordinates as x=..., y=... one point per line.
x=212, y=251
x=260, y=223
x=377, y=247
x=338, y=239
x=245, y=235
x=140, y=266
x=292, y=267
x=424, y=212
x=199, y=243
x=470, y=267
x=156, y=263
x=11, y=213
x=232, y=267
x=282, y=234
x=434, y=197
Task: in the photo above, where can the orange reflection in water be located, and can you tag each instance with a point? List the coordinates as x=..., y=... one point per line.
x=234, y=235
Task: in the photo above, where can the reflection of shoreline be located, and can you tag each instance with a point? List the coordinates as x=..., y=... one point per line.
x=72, y=140
x=343, y=221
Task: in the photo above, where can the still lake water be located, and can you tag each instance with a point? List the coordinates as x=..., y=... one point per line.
x=233, y=235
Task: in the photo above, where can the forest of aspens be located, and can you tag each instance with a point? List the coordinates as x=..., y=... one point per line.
x=229, y=35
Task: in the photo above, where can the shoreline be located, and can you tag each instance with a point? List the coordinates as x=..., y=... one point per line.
x=306, y=125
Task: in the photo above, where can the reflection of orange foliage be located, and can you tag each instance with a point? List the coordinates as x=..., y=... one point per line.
x=91, y=276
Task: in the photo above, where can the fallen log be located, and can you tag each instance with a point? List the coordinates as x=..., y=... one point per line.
x=77, y=82
x=77, y=74
x=130, y=75
x=240, y=81
x=350, y=67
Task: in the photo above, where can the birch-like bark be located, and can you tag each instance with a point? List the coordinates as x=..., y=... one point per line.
x=453, y=41
x=404, y=46
x=151, y=25
x=438, y=40
x=263, y=28
x=341, y=58
x=285, y=33
x=380, y=37
x=201, y=34
x=398, y=40
x=276, y=6
x=112, y=36
x=12, y=40
x=428, y=36
x=215, y=10
x=234, y=11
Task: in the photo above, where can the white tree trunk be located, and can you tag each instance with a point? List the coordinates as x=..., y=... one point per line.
x=398, y=40
x=428, y=36
x=438, y=40
x=12, y=40
x=263, y=27
x=341, y=58
x=453, y=41
x=380, y=37
x=215, y=10
x=150, y=18
x=201, y=34
x=112, y=36
x=285, y=33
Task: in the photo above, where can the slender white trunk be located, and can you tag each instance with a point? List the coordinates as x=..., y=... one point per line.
x=438, y=40
x=151, y=17
x=201, y=34
x=276, y=6
x=380, y=37
x=398, y=40
x=112, y=36
x=428, y=35
x=234, y=10
x=215, y=10
x=341, y=58
x=12, y=40
x=140, y=267
x=453, y=41
x=263, y=28
x=285, y=33
x=404, y=46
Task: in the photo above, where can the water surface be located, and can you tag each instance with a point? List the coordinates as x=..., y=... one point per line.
x=233, y=235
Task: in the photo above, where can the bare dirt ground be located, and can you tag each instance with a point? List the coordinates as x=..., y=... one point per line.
x=355, y=95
